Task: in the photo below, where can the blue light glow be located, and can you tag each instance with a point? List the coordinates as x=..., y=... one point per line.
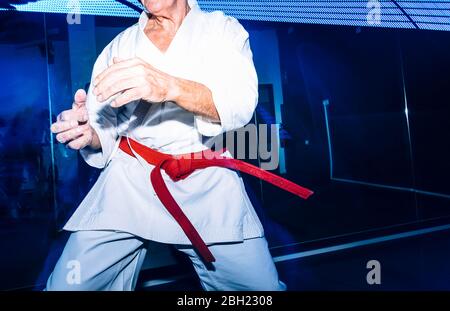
x=432, y=15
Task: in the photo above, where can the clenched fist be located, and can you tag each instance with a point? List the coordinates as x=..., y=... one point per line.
x=72, y=126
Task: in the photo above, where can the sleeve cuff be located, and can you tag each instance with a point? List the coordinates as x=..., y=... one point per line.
x=221, y=100
x=100, y=158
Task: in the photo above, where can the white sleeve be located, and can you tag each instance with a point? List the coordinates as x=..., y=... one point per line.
x=102, y=118
x=231, y=77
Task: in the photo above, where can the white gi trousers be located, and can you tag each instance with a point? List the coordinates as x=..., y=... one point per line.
x=111, y=261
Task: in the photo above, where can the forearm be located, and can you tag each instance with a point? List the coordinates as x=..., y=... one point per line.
x=194, y=97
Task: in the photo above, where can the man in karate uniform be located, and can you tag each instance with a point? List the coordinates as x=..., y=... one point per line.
x=177, y=77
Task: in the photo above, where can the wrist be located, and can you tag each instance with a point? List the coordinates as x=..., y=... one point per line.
x=173, y=90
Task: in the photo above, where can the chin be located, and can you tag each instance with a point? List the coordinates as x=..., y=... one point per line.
x=153, y=6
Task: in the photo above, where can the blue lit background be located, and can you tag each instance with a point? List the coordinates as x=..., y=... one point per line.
x=363, y=115
x=434, y=15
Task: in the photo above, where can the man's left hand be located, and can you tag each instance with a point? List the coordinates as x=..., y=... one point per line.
x=132, y=80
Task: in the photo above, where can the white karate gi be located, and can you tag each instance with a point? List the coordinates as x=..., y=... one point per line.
x=209, y=48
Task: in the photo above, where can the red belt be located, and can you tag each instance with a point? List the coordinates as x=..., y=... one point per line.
x=181, y=166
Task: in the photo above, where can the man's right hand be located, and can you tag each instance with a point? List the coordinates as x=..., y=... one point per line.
x=72, y=126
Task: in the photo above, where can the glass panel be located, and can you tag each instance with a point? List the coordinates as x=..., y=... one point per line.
x=359, y=74
x=40, y=60
x=26, y=174
x=427, y=85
